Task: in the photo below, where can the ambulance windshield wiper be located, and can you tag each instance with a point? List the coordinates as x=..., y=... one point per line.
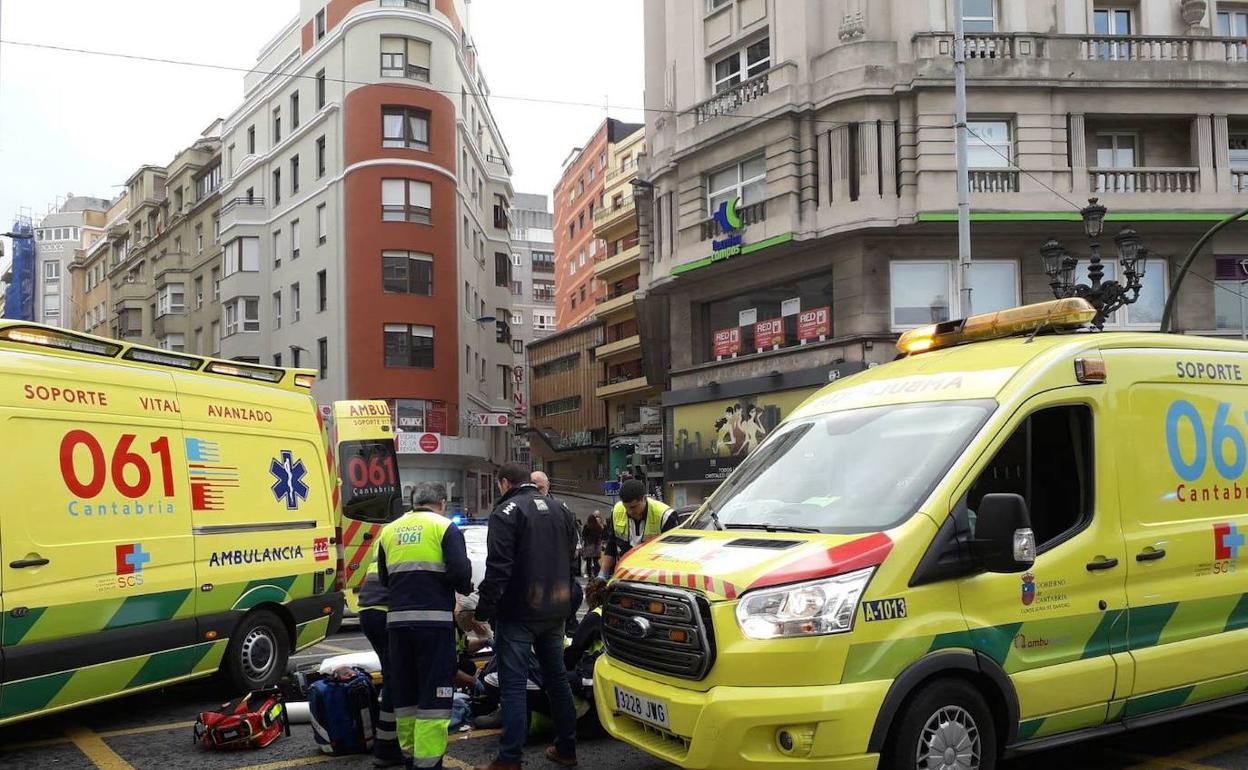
x=772, y=528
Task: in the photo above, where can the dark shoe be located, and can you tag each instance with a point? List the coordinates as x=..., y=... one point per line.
x=499, y=764
x=379, y=762
x=553, y=755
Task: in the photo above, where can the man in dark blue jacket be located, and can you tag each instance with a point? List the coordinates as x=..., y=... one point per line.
x=527, y=594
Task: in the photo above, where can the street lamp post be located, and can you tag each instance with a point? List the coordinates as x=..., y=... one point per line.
x=1106, y=296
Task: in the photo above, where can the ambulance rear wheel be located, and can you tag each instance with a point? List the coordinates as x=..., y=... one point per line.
x=257, y=653
x=946, y=725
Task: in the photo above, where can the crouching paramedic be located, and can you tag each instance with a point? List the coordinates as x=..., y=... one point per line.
x=374, y=602
x=422, y=561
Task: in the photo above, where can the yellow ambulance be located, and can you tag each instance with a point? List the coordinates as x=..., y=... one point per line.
x=1009, y=540
x=165, y=516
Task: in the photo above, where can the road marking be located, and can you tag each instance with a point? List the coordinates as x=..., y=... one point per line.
x=147, y=729
x=96, y=749
x=316, y=759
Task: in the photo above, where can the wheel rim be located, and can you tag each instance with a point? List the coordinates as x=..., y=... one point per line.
x=949, y=741
x=259, y=653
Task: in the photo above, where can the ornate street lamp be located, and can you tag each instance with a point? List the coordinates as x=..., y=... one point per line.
x=1106, y=296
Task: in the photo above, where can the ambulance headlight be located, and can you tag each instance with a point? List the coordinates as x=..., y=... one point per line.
x=815, y=608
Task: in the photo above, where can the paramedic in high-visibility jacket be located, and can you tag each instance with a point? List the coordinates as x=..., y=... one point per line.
x=636, y=519
x=422, y=562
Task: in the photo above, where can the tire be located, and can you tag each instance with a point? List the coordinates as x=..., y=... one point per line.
x=257, y=654
x=945, y=720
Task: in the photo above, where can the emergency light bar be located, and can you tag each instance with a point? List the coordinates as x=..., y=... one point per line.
x=48, y=338
x=1070, y=313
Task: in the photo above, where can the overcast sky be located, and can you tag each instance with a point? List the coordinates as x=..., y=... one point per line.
x=82, y=124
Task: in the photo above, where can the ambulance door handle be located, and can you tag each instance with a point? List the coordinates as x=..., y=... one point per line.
x=1153, y=555
x=23, y=563
x=1100, y=564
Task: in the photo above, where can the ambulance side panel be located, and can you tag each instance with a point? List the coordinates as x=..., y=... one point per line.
x=261, y=506
x=1184, y=503
x=96, y=552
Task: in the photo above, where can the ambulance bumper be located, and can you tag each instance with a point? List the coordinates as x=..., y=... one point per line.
x=740, y=727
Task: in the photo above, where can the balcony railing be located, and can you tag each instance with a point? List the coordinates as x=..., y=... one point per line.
x=1239, y=180
x=1138, y=48
x=1144, y=180
x=607, y=213
x=994, y=180
x=991, y=47
x=543, y=266
x=728, y=102
x=243, y=201
x=750, y=215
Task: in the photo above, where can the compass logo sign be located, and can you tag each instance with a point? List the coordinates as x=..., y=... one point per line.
x=289, y=486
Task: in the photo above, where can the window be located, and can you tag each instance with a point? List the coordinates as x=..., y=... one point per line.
x=294, y=175
x=277, y=309
x=404, y=127
x=277, y=248
x=920, y=292
x=277, y=186
x=199, y=239
x=1237, y=145
x=174, y=342
x=1233, y=23
x=294, y=239
x=714, y=4
x=1146, y=313
x=502, y=269
x=322, y=358
x=295, y=302
x=406, y=200
x=420, y=5
x=1115, y=151
x=251, y=140
x=979, y=15
x=517, y=318
x=746, y=180
x=296, y=353
x=543, y=322
x=52, y=270
x=242, y=315
x=407, y=272
x=517, y=347
x=404, y=58
x=199, y=295
x=322, y=224
x=320, y=89
x=277, y=359
x=561, y=406
x=517, y=288
x=559, y=365
x=753, y=59
x=277, y=125
x=171, y=300
x=294, y=110
x=322, y=296
x=1048, y=460
x=988, y=144
x=320, y=24
x=241, y=255
x=408, y=345
x=1111, y=22
x=216, y=284
x=199, y=341
x=1230, y=307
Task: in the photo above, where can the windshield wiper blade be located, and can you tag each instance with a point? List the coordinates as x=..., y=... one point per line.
x=773, y=528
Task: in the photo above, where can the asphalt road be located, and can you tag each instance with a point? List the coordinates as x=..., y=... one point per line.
x=153, y=730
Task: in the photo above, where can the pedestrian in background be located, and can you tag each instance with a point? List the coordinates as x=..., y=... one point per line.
x=526, y=596
x=422, y=561
x=374, y=599
x=591, y=542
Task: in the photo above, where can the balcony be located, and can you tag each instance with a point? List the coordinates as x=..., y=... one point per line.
x=1144, y=180
x=993, y=180
x=622, y=386
x=543, y=266
x=622, y=265
x=750, y=215
x=608, y=306
x=252, y=202
x=608, y=218
x=618, y=349
x=729, y=101
x=1239, y=180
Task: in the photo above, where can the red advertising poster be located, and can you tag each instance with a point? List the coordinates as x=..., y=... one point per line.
x=727, y=342
x=814, y=324
x=769, y=334
x=435, y=417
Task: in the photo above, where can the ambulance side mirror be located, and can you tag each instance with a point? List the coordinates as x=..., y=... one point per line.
x=1004, y=541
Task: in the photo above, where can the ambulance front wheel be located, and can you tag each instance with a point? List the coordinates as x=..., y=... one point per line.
x=257, y=653
x=946, y=725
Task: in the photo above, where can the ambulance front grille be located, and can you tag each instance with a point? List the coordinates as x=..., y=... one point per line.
x=664, y=630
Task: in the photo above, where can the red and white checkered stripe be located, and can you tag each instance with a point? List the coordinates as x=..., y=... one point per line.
x=704, y=583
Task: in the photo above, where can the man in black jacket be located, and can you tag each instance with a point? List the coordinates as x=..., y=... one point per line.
x=526, y=594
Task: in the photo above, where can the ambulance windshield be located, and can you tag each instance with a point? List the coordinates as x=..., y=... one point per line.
x=862, y=470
